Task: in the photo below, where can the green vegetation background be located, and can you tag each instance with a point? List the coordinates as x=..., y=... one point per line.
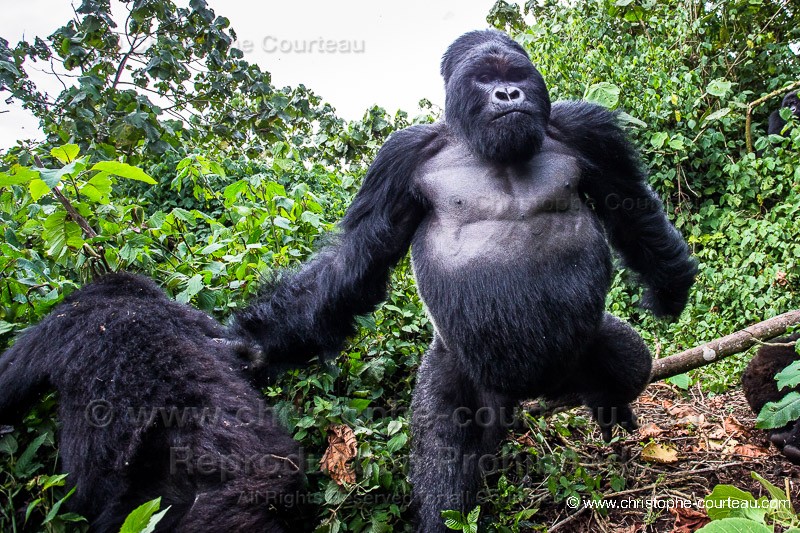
x=249, y=178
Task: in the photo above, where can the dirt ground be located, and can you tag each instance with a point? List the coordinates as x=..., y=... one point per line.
x=688, y=443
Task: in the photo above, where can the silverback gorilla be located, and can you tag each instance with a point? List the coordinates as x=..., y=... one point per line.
x=760, y=387
x=508, y=206
x=155, y=400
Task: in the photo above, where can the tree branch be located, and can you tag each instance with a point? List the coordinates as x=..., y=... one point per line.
x=690, y=359
x=723, y=347
x=71, y=211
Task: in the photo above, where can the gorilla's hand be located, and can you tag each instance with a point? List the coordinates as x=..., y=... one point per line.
x=668, y=301
x=787, y=440
x=608, y=417
x=665, y=303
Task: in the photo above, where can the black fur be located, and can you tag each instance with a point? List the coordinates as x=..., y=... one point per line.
x=760, y=387
x=506, y=205
x=154, y=400
x=776, y=123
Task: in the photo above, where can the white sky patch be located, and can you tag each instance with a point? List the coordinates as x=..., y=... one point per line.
x=353, y=53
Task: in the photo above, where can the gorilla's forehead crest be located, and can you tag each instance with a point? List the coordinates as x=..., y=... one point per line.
x=461, y=47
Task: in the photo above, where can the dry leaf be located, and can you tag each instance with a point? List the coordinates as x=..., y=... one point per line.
x=693, y=420
x=688, y=520
x=717, y=432
x=682, y=411
x=716, y=402
x=659, y=453
x=342, y=448
x=647, y=399
x=748, y=450
x=649, y=431
x=733, y=427
x=526, y=439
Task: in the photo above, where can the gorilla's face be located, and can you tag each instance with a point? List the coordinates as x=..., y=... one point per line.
x=495, y=98
x=792, y=102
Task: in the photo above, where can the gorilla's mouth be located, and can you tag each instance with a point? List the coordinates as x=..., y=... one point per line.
x=512, y=111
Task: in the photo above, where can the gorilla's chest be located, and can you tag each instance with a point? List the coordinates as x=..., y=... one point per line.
x=481, y=212
x=464, y=190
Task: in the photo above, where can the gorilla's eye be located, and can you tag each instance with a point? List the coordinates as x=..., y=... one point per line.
x=516, y=75
x=484, y=78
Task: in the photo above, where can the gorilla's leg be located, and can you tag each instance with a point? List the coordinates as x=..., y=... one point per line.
x=612, y=372
x=456, y=426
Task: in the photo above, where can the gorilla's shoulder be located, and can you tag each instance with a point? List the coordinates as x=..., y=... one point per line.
x=416, y=143
x=573, y=116
x=596, y=134
x=419, y=133
x=120, y=285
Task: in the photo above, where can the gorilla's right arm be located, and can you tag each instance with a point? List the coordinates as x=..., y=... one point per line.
x=312, y=311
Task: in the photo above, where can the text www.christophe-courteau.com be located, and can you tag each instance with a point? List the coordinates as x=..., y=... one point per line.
x=576, y=502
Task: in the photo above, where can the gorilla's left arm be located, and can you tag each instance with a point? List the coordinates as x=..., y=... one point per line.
x=312, y=311
x=633, y=216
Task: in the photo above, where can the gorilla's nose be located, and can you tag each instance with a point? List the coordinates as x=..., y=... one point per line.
x=508, y=95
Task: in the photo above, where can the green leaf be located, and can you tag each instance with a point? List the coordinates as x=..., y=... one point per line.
x=774, y=492
x=334, y=495
x=57, y=506
x=144, y=519
x=124, y=170
x=22, y=175
x=54, y=481
x=25, y=465
x=734, y=525
x=604, y=93
x=394, y=427
x=60, y=233
x=778, y=414
x=66, y=154
x=682, y=381
x=474, y=514
x=11, y=67
x=193, y=286
x=211, y=248
x=454, y=520
x=8, y=445
x=789, y=376
x=718, y=504
x=716, y=115
x=52, y=176
x=359, y=404
x=282, y=223
x=396, y=442
x=719, y=87
x=31, y=507
x=312, y=218
x=38, y=188
x=630, y=120
x=98, y=188
x=658, y=139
